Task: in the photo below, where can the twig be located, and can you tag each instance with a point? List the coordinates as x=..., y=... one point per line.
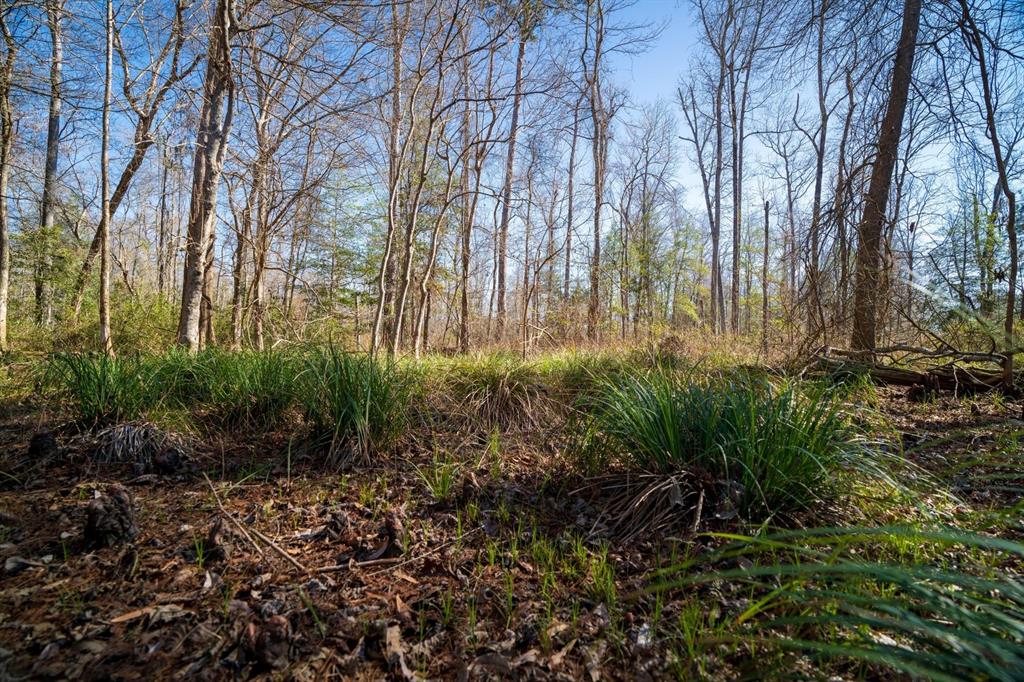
x=280, y=551
x=255, y=531
x=231, y=518
x=700, y=510
x=426, y=554
x=359, y=564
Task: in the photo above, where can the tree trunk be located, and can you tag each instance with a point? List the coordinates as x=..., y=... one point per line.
x=717, y=292
x=865, y=302
x=6, y=144
x=764, y=285
x=599, y=149
x=162, y=237
x=237, y=289
x=143, y=140
x=386, y=274
x=570, y=197
x=106, y=343
x=47, y=212
x=817, y=316
x=506, y=195
x=974, y=36
x=211, y=145
x=469, y=200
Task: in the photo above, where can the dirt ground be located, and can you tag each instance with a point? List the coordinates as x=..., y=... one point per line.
x=254, y=561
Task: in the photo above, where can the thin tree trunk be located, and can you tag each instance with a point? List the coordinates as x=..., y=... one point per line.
x=764, y=286
x=143, y=140
x=599, y=148
x=570, y=198
x=47, y=213
x=818, y=325
x=735, y=140
x=211, y=145
x=237, y=291
x=717, y=292
x=385, y=276
x=106, y=343
x=6, y=144
x=162, y=237
x=506, y=195
x=974, y=35
x=840, y=206
x=865, y=302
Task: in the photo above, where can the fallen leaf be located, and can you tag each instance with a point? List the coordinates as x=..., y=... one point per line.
x=559, y=656
x=396, y=653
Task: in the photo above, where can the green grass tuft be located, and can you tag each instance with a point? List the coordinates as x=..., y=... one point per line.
x=99, y=389
x=813, y=592
x=355, y=404
x=497, y=391
x=782, y=446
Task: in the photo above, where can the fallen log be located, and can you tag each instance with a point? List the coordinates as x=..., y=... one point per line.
x=947, y=377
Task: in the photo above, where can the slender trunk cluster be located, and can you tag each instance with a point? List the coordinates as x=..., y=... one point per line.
x=211, y=146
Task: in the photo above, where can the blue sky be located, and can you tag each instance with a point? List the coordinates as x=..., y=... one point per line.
x=655, y=73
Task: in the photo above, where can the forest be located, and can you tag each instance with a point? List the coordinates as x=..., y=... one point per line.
x=511, y=339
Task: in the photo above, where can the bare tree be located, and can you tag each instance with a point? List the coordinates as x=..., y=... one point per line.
x=48, y=204
x=106, y=343
x=211, y=144
x=6, y=145
x=145, y=107
x=594, y=30
x=977, y=42
x=526, y=21
x=872, y=222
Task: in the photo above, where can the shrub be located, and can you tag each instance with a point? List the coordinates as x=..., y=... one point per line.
x=781, y=446
x=102, y=390
x=355, y=404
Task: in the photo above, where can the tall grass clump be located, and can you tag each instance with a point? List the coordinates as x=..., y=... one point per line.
x=229, y=389
x=355, y=404
x=781, y=445
x=101, y=390
x=920, y=613
x=497, y=391
x=575, y=373
x=248, y=389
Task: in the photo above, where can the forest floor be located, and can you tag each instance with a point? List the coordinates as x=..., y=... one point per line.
x=497, y=561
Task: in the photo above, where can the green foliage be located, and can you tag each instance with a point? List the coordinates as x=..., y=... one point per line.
x=234, y=390
x=813, y=592
x=440, y=478
x=99, y=389
x=248, y=389
x=782, y=446
x=355, y=404
x=577, y=372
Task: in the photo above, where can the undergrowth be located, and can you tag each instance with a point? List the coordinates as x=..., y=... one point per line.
x=913, y=606
x=356, y=405
x=101, y=390
x=782, y=445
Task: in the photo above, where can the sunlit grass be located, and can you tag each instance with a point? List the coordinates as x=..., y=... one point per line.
x=783, y=446
x=895, y=597
x=355, y=404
